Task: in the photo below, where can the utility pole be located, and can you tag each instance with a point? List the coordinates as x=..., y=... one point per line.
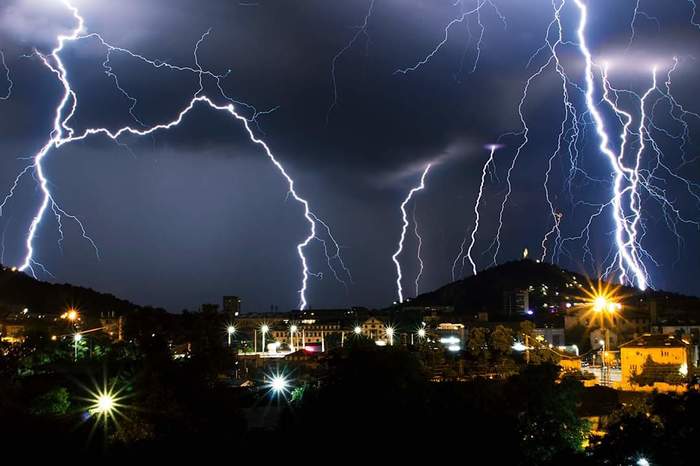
x=527, y=349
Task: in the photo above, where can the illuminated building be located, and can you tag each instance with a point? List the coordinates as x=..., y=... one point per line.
x=374, y=329
x=655, y=362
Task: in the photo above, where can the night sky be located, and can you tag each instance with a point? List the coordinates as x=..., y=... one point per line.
x=185, y=216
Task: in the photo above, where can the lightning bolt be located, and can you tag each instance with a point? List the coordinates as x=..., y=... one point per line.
x=637, y=13
x=461, y=18
x=361, y=30
x=625, y=235
x=693, y=8
x=492, y=150
x=8, y=78
x=63, y=134
x=419, y=256
x=404, y=216
x=496, y=243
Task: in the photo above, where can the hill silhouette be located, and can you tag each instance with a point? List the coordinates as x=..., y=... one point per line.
x=18, y=289
x=485, y=290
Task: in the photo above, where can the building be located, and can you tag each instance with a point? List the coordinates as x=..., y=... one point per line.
x=374, y=329
x=516, y=302
x=655, y=362
x=552, y=335
x=232, y=305
x=308, y=332
x=12, y=332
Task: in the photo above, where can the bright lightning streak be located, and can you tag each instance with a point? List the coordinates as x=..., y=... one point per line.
x=628, y=258
x=419, y=256
x=693, y=7
x=361, y=30
x=8, y=77
x=492, y=149
x=404, y=228
x=63, y=134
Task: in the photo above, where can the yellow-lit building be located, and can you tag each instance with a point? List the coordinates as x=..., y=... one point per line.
x=655, y=362
x=12, y=332
x=373, y=329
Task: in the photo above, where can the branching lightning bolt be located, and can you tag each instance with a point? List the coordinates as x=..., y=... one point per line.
x=361, y=30
x=404, y=216
x=628, y=257
x=468, y=256
x=461, y=18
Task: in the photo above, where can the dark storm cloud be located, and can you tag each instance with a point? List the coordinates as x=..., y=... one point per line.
x=188, y=215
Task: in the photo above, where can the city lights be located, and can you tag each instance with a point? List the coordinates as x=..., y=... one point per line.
x=264, y=328
x=71, y=315
x=357, y=330
x=76, y=341
x=421, y=333
x=104, y=404
x=278, y=384
x=390, y=333
x=230, y=331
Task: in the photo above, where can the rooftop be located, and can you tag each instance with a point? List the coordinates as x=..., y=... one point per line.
x=656, y=341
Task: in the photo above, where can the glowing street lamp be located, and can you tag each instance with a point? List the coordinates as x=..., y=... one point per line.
x=230, y=330
x=421, y=333
x=71, y=315
x=357, y=330
x=390, y=333
x=604, y=304
x=643, y=462
x=263, y=330
x=277, y=384
x=292, y=330
x=104, y=404
x=76, y=340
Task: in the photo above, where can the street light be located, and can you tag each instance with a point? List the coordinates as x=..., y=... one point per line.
x=277, y=383
x=604, y=304
x=104, y=404
x=263, y=330
x=390, y=333
x=230, y=330
x=71, y=314
x=76, y=339
x=292, y=330
x=357, y=330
